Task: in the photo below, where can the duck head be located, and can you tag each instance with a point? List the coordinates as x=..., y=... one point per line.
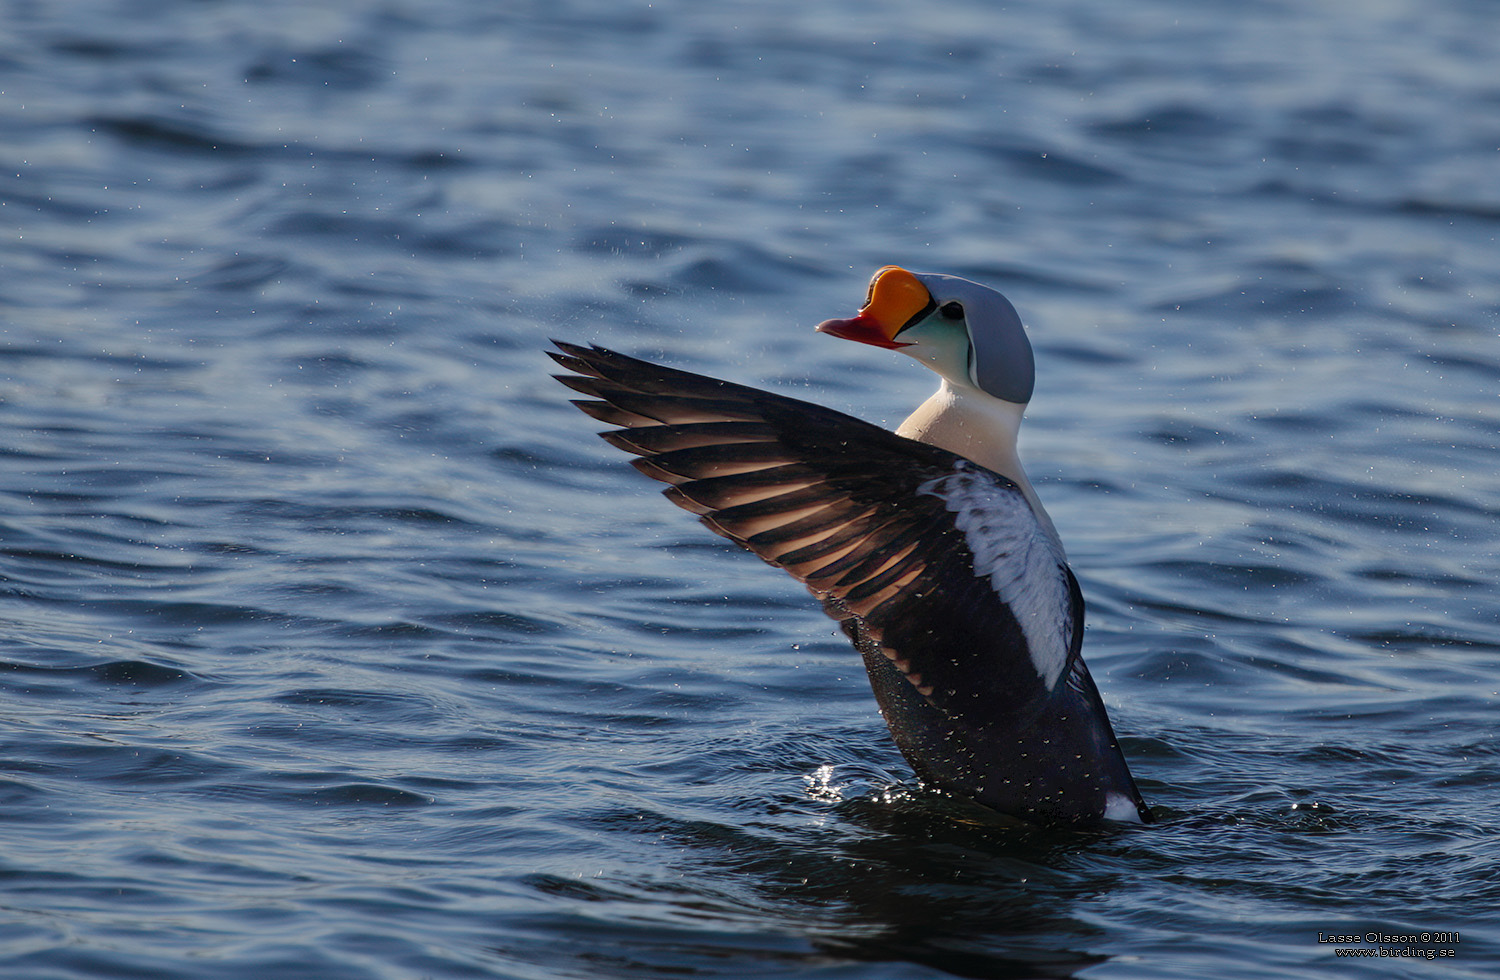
x=966, y=332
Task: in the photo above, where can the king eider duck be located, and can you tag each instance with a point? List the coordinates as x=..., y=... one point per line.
x=928, y=545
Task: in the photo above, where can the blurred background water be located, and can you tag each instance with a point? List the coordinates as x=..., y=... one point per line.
x=333, y=644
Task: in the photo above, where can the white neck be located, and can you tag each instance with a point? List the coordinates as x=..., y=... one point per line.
x=980, y=428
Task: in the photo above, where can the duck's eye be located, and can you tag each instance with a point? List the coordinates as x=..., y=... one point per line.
x=952, y=311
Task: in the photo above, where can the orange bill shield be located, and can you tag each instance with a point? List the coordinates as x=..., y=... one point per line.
x=896, y=298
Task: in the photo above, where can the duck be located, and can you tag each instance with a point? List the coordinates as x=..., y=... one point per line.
x=928, y=545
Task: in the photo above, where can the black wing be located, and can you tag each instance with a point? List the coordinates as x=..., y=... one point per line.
x=850, y=510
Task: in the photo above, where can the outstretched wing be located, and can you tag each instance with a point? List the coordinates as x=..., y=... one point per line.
x=939, y=562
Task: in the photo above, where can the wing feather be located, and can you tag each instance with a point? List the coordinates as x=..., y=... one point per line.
x=897, y=538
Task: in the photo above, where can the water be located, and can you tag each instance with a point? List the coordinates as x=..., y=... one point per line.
x=333, y=644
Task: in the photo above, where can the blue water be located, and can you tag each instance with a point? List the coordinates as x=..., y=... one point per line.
x=334, y=645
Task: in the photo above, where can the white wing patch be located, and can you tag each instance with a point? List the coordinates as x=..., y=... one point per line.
x=1023, y=565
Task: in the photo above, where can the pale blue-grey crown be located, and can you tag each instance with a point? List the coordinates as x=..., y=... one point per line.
x=1003, y=365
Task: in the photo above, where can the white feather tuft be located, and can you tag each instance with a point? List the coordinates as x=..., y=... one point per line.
x=1024, y=565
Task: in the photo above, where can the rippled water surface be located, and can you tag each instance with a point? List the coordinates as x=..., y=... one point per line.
x=333, y=644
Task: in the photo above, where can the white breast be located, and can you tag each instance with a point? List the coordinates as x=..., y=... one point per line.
x=977, y=427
